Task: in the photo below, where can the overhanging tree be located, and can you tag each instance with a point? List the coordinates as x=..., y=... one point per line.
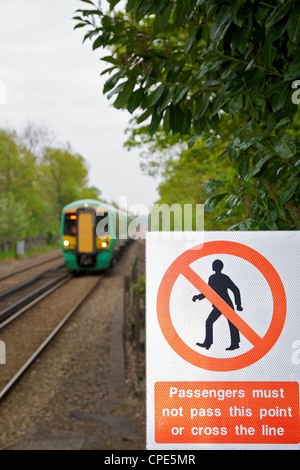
x=187, y=64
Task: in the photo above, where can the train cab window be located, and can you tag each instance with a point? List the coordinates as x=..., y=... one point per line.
x=102, y=224
x=70, y=224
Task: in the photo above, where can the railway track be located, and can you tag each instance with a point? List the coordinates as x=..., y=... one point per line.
x=18, y=298
x=30, y=267
x=44, y=342
x=39, y=338
x=26, y=336
x=59, y=365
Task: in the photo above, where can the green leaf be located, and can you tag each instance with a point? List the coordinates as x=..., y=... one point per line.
x=113, y=3
x=98, y=43
x=180, y=94
x=80, y=25
x=211, y=203
x=235, y=104
x=293, y=25
x=286, y=195
x=276, y=32
x=144, y=116
x=186, y=121
x=155, y=121
x=268, y=223
x=106, y=38
x=277, y=13
x=235, y=8
x=89, y=12
x=166, y=125
x=233, y=201
x=218, y=102
x=247, y=225
x=110, y=59
x=286, y=146
x=190, y=40
x=209, y=65
x=143, y=8
x=292, y=71
x=165, y=100
x=91, y=34
x=181, y=11
x=202, y=106
x=282, y=122
x=176, y=118
x=110, y=69
x=254, y=78
x=198, y=125
x=242, y=36
x=261, y=13
x=135, y=100
x=220, y=25
x=259, y=100
x=153, y=97
x=258, y=166
x=116, y=90
x=123, y=97
x=244, y=166
x=269, y=53
x=229, y=70
x=131, y=4
x=162, y=19
x=280, y=97
x=112, y=81
x=212, y=185
x=161, y=5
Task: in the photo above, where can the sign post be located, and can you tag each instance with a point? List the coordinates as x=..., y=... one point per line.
x=223, y=327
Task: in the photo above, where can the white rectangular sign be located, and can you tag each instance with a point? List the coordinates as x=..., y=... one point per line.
x=223, y=340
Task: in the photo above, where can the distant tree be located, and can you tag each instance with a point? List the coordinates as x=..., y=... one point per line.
x=36, y=181
x=64, y=176
x=35, y=138
x=14, y=218
x=188, y=179
x=17, y=170
x=188, y=64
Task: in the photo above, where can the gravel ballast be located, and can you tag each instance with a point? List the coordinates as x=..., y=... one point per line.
x=78, y=394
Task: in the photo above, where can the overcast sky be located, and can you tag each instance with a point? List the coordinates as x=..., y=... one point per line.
x=54, y=80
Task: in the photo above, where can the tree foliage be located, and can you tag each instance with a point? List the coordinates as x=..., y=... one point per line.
x=36, y=182
x=188, y=175
x=188, y=179
x=186, y=65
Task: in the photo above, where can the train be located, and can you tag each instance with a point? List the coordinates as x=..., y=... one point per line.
x=93, y=234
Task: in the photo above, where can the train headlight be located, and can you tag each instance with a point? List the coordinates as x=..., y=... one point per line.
x=104, y=244
x=66, y=243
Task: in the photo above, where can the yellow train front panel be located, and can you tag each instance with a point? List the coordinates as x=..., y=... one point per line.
x=85, y=235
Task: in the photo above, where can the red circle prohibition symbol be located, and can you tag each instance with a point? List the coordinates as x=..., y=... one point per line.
x=261, y=346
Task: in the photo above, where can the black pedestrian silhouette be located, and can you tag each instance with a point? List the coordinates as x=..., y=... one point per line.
x=220, y=283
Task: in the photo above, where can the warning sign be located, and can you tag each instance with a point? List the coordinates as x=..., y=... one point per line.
x=222, y=326
x=227, y=412
x=217, y=294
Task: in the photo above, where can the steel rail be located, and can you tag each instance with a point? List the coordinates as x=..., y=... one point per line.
x=8, y=311
x=15, y=315
x=27, y=282
x=38, y=351
x=14, y=273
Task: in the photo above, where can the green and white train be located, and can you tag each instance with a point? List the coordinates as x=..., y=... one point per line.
x=92, y=234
